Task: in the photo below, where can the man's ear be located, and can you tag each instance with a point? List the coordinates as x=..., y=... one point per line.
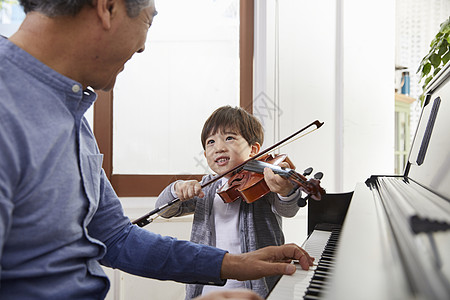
x=105, y=11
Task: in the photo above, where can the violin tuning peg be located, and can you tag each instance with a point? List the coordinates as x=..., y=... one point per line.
x=318, y=175
x=307, y=171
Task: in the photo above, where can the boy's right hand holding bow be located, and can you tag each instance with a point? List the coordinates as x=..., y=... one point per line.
x=188, y=189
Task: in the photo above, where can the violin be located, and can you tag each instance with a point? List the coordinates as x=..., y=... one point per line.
x=249, y=184
x=145, y=219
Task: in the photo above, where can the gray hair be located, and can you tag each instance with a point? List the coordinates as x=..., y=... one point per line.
x=54, y=8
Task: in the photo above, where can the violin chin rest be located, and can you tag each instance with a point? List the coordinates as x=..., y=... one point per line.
x=302, y=201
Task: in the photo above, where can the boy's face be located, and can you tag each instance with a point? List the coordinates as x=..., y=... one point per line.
x=226, y=149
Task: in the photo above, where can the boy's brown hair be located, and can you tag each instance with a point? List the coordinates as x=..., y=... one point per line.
x=236, y=120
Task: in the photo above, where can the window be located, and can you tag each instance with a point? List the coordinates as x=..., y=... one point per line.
x=192, y=54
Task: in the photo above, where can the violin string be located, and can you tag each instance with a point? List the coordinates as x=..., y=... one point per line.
x=293, y=140
x=296, y=176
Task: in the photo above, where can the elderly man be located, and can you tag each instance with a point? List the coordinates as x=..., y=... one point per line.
x=59, y=216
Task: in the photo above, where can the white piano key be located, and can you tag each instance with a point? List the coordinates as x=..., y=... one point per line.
x=294, y=286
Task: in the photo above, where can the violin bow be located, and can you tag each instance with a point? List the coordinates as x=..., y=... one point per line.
x=145, y=219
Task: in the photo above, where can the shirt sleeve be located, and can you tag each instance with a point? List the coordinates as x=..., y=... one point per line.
x=293, y=195
x=140, y=252
x=143, y=253
x=285, y=206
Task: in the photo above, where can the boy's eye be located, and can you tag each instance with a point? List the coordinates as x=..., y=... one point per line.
x=208, y=142
x=229, y=138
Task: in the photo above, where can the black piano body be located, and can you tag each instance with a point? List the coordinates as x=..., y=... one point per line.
x=395, y=236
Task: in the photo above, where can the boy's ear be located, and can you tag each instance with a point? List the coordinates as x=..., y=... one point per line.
x=255, y=149
x=105, y=11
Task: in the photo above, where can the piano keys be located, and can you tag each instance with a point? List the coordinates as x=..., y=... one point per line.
x=319, y=244
x=395, y=236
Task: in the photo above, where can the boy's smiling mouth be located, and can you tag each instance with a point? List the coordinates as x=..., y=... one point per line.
x=222, y=160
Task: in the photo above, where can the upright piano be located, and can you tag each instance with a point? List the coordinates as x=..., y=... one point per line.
x=390, y=237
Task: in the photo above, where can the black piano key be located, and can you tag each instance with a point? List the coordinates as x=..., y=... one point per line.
x=321, y=273
x=311, y=297
x=324, y=269
x=318, y=277
x=313, y=292
x=316, y=285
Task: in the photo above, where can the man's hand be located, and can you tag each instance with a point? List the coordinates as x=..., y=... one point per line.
x=268, y=261
x=240, y=294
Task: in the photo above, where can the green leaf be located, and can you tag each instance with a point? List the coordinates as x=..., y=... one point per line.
x=427, y=81
x=426, y=69
x=435, y=60
x=436, y=71
x=422, y=98
x=443, y=48
x=419, y=68
x=445, y=25
x=433, y=42
x=429, y=54
x=444, y=40
x=446, y=29
x=446, y=58
x=424, y=87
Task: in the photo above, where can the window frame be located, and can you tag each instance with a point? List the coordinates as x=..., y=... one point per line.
x=137, y=185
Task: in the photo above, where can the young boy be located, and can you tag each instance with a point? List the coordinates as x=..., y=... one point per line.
x=229, y=137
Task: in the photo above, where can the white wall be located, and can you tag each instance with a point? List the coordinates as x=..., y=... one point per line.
x=333, y=61
x=369, y=55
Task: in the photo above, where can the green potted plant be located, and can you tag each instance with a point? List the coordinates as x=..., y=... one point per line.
x=436, y=58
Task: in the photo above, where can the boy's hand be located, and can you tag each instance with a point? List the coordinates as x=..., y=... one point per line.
x=276, y=183
x=188, y=189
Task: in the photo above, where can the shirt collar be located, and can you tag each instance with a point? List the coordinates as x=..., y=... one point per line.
x=76, y=99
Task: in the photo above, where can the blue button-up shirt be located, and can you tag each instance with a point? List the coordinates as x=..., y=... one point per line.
x=59, y=216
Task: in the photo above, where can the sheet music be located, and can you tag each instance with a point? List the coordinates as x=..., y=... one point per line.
x=294, y=286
